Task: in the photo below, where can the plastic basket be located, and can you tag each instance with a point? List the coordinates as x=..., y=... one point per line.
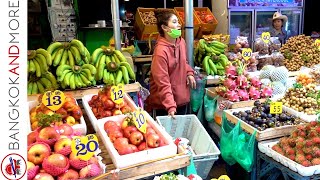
x=188, y=126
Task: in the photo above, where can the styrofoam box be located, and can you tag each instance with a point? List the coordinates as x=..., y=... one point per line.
x=302, y=115
x=92, y=117
x=266, y=148
x=82, y=127
x=121, y=161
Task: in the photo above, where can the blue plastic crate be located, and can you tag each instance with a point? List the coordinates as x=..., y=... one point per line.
x=188, y=126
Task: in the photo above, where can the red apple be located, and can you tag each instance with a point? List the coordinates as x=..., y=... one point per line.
x=70, y=99
x=116, y=112
x=62, y=144
x=134, y=148
x=30, y=165
x=107, y=113
x=113, y=135
x=48, y=133
x=70, y=174
x=126, y=149
x=37, y=153
x=128, y=130
x=136, y=138
x=90, y=171
x=149, y=130
x=92, y=160
x=120, y=142
x=57, y=160
x=142, y=146
x=65, y=129
x=62, y=112
x=113, y=128
x=76, y=112
x=32, y=137
x=108, y=104
x=43, y=176
x=153, y=140
x=69, y=106
x=109, y=123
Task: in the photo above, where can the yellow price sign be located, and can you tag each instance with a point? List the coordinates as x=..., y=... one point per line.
x=84, y=146
x=53, y=100
x=275, y=107
x=222, y=177
x=317, y=43
x=117, y=93
x=139, y=119
x=265, y=37
x=246, y=53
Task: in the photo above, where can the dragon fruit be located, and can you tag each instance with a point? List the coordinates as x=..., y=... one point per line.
x=221, y=91
x=255, y=81
x=243, y=95
x=266, y=92
x=230, y=84
x=242, y=81
x=232, y=96
x=254, y=93
x=231, y=71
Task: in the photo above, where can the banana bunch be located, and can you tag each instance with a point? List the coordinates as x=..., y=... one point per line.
x=76, y=76
x=112, y=67
x=70, y=53
x=38, y=61
x=215, y=65
x=46, y=82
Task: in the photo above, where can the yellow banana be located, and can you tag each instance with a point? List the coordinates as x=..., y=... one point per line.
x=115, y=59
x=58, y=57
x=46, y=55
x=54, y=46
x=42, y=62
x=87, y=56
x=120, y=56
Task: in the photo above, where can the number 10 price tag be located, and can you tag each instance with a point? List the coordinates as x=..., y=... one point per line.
x=84, y=146
x=275, y=107
x=53, y=100
x=139, y=119
x=117, y=93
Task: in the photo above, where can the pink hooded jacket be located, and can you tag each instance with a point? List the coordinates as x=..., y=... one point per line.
x=168, y=79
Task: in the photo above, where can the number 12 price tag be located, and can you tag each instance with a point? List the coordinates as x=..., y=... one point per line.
x=139, y=120
x=246, y=53
x=265, y=37
x=117, y=93
x=84, y=146
x=275, y=107
x=53, y=100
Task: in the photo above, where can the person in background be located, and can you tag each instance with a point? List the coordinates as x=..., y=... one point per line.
x=171, y=76
x=278, y=23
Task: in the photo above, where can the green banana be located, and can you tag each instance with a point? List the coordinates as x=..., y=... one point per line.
x=75, y=52
x=46, y=83
x=88, y=74
x=205, y=64
x=130, y=71
x=115, y=59
x=40, y=87
x=120, y=56
x=101, y=67
x=79, y=45
x=71, y=58
x=87, y=58
x=112, y=78
x=46, y=55
x=30, y=85
x=125, y=74
x=95, y=55
x=84, y=79
x=58, y=57
x=64, y=57
x=218, y=45
x=52, y=79
x=66, y=79
x=62, y=76
x=118, y=77
x=54, y=46
x=34, y=88
x=212, y=67
x=72, y=81
x=62, y=68
x=92, y=69
x=105, y=76
x=32, y=67
x=78, y=81
x=38, y=68
x=108, y=59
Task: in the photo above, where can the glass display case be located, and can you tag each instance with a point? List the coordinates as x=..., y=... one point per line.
x=241, y=23
x=293, y=26
x=263, y=21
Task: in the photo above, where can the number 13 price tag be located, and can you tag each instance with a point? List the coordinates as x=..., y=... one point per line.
x=275, y=107
x=139, y=120
x=84, y=146
x=53, y=100
x=117, y=93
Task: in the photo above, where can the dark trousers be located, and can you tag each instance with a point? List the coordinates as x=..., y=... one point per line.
x=181, y=110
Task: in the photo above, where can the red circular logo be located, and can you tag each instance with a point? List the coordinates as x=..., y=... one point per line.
x=13, y=166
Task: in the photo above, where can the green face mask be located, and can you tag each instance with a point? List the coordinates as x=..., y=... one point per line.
x=174, y=33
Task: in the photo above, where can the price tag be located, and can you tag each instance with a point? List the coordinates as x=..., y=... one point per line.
x=139, y=120
x=275, y=107
x=224, y=177
x=265, y=37
x=317, y=43
x=117, y=93
x=84, y=146
x=53, y=100
x=246, y=53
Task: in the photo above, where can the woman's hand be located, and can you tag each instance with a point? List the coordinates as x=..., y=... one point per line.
x=191, y=82
x=171, y=114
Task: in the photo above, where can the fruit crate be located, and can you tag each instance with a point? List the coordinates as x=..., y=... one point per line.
x=121, y=161
x=266, y=148
x=143, y=30
x=303, y=116
x=82, y=127
x=267, y=134
x=189, y=127
x=196, y=21
x=205, y=28
x=92, y=117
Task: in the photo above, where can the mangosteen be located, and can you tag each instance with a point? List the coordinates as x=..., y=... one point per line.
x=264, y=125
x=235, y=113
x=243, y=114
x=257, y=103
x=243, y=118
x=251, y=123
x=269, y=115
x=266, y=108
x=261, y=129
x=261, y=109
x=256, y=126
x=258, y=120
x=251, y=118
x=278, y=124
x=255, y=110
x=283, y=117
x=264, y=121
x=270, y=124
x=263, y=115
x=248, y=111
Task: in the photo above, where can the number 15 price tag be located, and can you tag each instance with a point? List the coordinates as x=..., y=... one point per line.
x=117, y=93
x=53, y=100
x=139, y=119
x=275, y=107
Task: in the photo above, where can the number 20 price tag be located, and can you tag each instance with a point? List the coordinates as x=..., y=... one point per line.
x=275, y=107
x=53, y=100
x=246, y=53
x=84, y=146
x=139, y=120
x=117, y=93
x=265, y=37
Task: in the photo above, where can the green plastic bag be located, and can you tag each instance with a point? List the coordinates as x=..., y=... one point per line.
x=197, y=94
x=227, y=139
x=210, y=106
x=137, y=51
x=244, y=147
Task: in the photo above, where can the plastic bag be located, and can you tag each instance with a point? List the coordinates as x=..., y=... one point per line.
x=137, y=51
x=244, y=147
x=277, y=59
x=210, y=106
x=226, y=140
x=197, y=94
x=275, y=44
x=261, y=47
x=264, y=60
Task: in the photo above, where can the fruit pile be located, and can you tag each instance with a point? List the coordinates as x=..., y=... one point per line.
x=260, y=118
x=302, y=98
x=50, y=157
x=102, y=105
x=112, y=67
x=237, y=86
x=303, y=145
x=305, y=79
x=300, y=51
x=210, y=56
x=126, y=138
x=46, y=82
x=38, y=61
x=181, y=15
x=41, y=116
x=205, y=16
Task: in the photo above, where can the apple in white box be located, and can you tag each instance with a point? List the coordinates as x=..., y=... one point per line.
x=57, y=160
x=37, y=153
x=65, y=129
x=43, y=176
x=48, y=133
x=128, y=130
x=62, y=143
x=136, y=138
x=68, y=175
x=32, y=137
x=153, y=140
